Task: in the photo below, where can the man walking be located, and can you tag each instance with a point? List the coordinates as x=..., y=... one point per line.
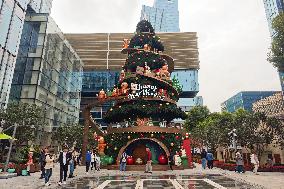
x=42, y=162
x=122, y=165
x=149, y=161
x=64, y=158
x=88, y=160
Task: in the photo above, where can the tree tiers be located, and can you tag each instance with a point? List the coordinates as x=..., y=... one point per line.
x=157, y=110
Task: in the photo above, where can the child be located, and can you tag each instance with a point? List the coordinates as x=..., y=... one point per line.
x=98, y=162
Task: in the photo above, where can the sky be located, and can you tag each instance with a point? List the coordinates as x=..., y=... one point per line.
x=233, y=38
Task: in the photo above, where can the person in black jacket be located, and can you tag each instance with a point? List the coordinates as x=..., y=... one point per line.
x=42, y=162
x=64, y=158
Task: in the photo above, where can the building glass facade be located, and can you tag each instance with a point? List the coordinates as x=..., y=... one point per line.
x=244, y=100
x=93, y=82
x=12, y=16
x=164, y=15
x=272, y=9
x=48, y=71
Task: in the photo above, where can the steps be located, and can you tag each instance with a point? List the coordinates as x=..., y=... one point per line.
x=142, y=167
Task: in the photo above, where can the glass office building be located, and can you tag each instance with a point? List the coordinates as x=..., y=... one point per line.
x=164, y=15
x=93, y=82
x=48, y=71
x=12, y=16
x=272, y=9
x=244, y=100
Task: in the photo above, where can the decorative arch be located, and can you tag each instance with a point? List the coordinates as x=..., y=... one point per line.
x=163, y=146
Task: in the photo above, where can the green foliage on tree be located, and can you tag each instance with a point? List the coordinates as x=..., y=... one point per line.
x=195, y=116
x=177, y=85
x=72, y=135
x=254, y=130
x=28, y=117
x=276, y=55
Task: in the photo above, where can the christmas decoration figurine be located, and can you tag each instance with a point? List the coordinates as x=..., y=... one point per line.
x=147, y=47
x=125, y=43
x=124, y=88
x=102, y=95
x=101, y=146
x=122, y=75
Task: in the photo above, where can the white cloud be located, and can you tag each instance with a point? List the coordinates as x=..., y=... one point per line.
x=233, y=38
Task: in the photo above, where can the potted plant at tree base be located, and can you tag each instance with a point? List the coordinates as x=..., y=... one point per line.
x=11, y=168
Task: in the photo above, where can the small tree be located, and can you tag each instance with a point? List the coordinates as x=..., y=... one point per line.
x=73, y=134
x=276, y=55
x=28, y=117
x=195, y=116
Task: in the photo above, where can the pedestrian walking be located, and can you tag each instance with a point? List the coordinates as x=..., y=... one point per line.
x=93, y=160
x=239, y=162
x=203, y=158
x=64, y=158
x=171, y=159
x=88, y=160
x=97, y=162
x=254, y=161
x=42, y=162
x=72, y=164
x=149, y=161
x=210, y=159
x=122, y=166
x=49, y=165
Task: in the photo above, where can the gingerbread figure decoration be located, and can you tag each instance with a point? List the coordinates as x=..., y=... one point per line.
x=101, y=146
x=102, y=95
x=125, y=43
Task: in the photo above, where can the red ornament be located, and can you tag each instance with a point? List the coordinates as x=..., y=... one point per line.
x=130, y=160
x=141, y=135
x=162, y=160
x=162, y=137
x=177, y=137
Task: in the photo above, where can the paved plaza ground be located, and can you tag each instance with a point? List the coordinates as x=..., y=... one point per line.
x=193, y=178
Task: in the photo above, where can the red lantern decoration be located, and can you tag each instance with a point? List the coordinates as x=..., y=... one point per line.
x=130, y=160
x=162, y=159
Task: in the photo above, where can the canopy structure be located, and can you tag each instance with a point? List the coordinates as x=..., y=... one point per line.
x=5, y=137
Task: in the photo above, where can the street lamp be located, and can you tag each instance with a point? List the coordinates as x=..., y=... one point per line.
x=233, y=135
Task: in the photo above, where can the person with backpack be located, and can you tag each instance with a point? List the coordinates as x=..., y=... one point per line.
x=210, y=159
x=123, y=158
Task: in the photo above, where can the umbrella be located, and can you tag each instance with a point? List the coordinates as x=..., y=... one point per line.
x=4, y=136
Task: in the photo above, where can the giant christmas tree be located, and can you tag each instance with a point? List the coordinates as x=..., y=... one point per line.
x=146, y=99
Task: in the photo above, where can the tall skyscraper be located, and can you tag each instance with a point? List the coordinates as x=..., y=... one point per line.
x=164, y=15
x=12, y=16
x=272, y=9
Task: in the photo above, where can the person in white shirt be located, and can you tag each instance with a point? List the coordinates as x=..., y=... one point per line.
x=93, y=160
x=254, y=161
x=97, y=162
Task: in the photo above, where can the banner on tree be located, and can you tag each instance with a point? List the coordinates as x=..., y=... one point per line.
x=138, y=90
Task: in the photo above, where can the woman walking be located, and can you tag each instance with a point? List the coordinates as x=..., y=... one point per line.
x=97, y=162
x=93, y=160
x=203, y=158
x=49, y=164
x=254, y=161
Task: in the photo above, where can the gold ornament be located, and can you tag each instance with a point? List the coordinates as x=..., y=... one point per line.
x=115, y=148
x=172, y=144
x=129, y=137
x=152, y=135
